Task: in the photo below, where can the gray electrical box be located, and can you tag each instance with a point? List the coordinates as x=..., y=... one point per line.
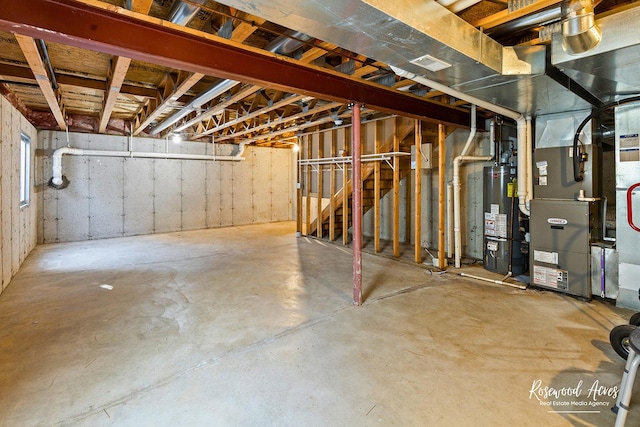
x=427, y=156
x=560, y=245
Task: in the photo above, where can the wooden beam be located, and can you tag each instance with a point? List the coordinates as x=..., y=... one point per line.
x=92, y=25
x=441, y=194
x=141, y=6
x=396, y=189
x=417, y=236
x=376, y=188
x=31, y=53
x=116, y=79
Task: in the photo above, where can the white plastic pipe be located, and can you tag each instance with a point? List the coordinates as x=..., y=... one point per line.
x=497, y=282
x=524, y=138
x=57, y=157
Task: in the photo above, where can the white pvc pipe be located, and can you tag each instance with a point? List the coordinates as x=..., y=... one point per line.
x=497, y=282
x=457, y=187
x=449, y=220
x=57, y=157
x=525, y=169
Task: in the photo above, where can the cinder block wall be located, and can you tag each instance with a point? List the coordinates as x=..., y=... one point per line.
x=115, y=196
x=17, y=224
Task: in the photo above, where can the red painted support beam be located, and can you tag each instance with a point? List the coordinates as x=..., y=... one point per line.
x=119, y=32
x=356, y=202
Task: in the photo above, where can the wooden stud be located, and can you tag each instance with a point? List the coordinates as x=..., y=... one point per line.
x=299, y=188
x=396, y=189
x=307, y=187
x=376, y=189
x=345, y=193
x=320, y=185
x=418, y=193
x=31, y=53
x=441, y=193
x=332, y=189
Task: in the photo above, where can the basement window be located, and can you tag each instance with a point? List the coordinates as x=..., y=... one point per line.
x=25, y=167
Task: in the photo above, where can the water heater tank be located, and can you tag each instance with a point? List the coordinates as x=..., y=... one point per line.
x=502, y=238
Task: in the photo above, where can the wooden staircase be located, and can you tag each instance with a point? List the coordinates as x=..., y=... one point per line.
x=405, y=130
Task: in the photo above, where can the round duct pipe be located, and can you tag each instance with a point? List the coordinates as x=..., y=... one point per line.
x=579, y=30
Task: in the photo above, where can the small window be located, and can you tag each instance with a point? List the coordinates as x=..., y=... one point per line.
x=25, y=167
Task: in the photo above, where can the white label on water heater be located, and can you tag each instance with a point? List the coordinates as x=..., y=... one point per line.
x=548, y=257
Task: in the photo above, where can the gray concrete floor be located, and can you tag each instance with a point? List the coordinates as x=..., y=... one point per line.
x=252, y=326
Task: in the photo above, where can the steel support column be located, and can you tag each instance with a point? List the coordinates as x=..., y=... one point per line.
x=356, y=202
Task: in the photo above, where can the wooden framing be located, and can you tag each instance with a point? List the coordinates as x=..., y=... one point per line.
x=441, y=194
x=320, y=185
x=332, y=188
x=345, y=193
x=376, y=189
x=307, y=186
x=53, y=97
x=396, y=189
x=418, y=193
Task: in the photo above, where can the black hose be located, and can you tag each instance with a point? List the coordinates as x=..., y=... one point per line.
x=578, y=173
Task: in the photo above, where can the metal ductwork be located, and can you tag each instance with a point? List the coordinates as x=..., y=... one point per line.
x=182, y=12
x=284, y=45
x=579, y=30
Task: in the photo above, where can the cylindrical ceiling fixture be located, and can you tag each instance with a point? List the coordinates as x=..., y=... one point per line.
x=580, y=32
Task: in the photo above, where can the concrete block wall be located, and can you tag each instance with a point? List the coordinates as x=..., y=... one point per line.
x=116, y=196
x=17, y=224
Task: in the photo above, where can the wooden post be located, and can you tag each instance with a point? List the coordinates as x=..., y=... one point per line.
x=320, y=186
x=299, y=189
x=356, y=194
x=376, y=190
x=396, y=190
x=441, y=194
x=308, y=186
x=417, y=237
x=332, y=189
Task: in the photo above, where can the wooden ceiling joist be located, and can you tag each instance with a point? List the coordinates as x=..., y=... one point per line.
x=116, y=79
x=92, y=26
x=31, y=53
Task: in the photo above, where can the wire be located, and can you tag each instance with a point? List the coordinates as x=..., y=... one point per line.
x=578, y=172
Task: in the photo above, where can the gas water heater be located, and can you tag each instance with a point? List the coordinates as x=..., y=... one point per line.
x=502, y=237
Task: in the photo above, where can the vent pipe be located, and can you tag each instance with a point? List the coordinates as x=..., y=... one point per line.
x=579, y=30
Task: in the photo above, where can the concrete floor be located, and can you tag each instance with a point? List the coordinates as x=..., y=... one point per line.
x=251, y=326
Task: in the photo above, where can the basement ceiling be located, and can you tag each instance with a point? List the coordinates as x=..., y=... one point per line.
x=261, y=71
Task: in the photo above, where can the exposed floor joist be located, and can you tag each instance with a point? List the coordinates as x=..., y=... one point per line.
x=30, y=50
x=88, y=26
